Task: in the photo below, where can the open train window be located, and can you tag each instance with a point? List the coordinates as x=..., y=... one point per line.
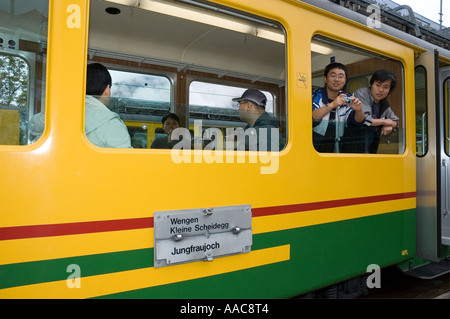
x=187, y=41
x=339, y=68
x=23, y=42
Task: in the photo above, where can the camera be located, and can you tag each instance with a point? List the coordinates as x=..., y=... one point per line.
x=347, y=100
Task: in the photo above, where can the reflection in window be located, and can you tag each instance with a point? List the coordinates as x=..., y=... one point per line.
x=219, y=96
x=421, y=111
x=213, y=104
x=22, y=73
x=138, y=135
x=141, y=100
x=14, y=73
x=144, y=87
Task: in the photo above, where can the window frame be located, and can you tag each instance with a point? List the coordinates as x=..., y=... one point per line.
x=425, y=134
x=339, y=43
x=183, y=71
x=446, y=114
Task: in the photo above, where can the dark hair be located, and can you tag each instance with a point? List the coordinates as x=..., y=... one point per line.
x=170, y=115
x=383, y=76
x=335, y=65
x=97, y=79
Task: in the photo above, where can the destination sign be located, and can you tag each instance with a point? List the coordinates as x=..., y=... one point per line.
x=201, y=234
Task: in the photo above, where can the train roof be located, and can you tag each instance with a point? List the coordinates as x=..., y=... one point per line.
x=414, y=29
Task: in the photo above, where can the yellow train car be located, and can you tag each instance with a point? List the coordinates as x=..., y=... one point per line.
x=83, y=221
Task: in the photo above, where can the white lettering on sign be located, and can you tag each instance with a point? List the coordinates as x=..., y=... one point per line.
x=74, y=19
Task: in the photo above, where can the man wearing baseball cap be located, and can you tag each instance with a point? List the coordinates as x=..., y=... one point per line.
x=252, y=110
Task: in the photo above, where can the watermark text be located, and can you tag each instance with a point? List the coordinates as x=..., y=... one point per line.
x=213, y=147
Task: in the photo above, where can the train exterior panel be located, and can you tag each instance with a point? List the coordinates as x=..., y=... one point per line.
x=78, y=220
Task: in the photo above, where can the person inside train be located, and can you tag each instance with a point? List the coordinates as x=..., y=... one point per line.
x=333, y=110
x=252, y=110
x=379, y=117
x=103, y=127
x=170, y=122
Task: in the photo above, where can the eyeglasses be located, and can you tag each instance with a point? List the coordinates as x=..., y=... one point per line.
x=337, y=76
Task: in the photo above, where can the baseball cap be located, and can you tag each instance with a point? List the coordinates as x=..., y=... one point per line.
x=253, y=96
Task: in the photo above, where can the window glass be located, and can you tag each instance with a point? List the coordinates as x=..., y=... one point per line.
x=141, y=100
x=183, y=43
x=341, y=73
x=421, y=111
x=212, y=105
x=220, y=96
x=23, y=42
x=447, y=115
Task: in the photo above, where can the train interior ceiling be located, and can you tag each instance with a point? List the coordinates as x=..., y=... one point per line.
x=186, y=45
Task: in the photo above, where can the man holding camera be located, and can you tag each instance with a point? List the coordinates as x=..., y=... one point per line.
x=333, y=110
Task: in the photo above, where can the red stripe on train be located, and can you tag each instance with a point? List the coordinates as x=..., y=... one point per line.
x=264, y=211
x=33, y=231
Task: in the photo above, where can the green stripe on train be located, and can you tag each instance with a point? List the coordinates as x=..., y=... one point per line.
x=52, y=270
x=320, y=255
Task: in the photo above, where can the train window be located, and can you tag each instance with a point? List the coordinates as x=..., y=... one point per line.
x=447, y=115
x=203, y=49
x=23, y=42
x=421, y=111
x=141, y=100
x=374, y=79
x=220, y=96
x=213, y=105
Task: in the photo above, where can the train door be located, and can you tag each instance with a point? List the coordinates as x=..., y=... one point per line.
x=432, y=158
x=444, y=83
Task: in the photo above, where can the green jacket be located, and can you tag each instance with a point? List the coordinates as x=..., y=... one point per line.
x=103, y=127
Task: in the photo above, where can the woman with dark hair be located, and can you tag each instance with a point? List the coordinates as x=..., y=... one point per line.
x=379, y=117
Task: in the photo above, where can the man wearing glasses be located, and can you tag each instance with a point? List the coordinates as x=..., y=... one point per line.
x=262, y=129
